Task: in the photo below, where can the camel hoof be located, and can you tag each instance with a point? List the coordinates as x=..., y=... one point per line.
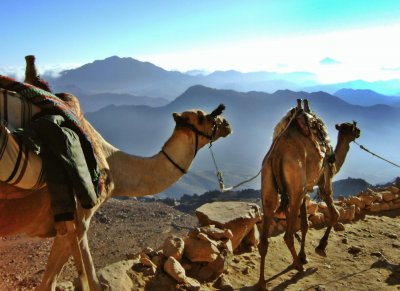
x=261, y=286
x=303, y=260
x=298, y=267
x=320, y=252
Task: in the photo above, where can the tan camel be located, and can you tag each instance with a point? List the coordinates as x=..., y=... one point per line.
x=294, y=164
x=126, y=175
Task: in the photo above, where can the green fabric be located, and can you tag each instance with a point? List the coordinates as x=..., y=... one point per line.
x=64, y=164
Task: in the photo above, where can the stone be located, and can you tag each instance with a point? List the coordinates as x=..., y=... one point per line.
x=388, y=195
x=215, y=232
x=197, y=250
x=369, y=196
x=173, y=247
x=173, y=268
x=339, y=227
x=252, y=239
x=347, y=214
x=354, y=250
x=394, y=189
x=354, y=200
x=318, y=219
x=223, y=284
x=312, y=207
x=115, y=276
x=238, y=217
x=375, y=207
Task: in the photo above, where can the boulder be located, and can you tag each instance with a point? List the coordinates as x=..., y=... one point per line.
x=238, y=217
x=312, y=207
x=252, y=239
x=173, y=268
x=318, y=219
x=197, y=250
x=215, y=232
x=388, y=195
x=354, y=200
x=347, y=214
x=115, y=278
x=173, y=247
x=369, y=196
x=394, y=189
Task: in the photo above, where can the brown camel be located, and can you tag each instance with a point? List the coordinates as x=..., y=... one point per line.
x=298, y=160
x=125, y=175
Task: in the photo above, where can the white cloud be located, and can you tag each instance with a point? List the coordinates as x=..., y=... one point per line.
x=362, y=54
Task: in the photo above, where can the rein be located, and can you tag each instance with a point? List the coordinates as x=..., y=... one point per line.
x=368, y=151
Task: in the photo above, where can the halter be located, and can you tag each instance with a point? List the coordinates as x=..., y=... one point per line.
x=197, y=133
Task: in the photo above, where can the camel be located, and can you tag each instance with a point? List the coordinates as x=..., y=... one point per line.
x=295, y=163
x=124, y=175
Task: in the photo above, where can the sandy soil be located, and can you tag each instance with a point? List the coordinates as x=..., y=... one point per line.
x=365, y=256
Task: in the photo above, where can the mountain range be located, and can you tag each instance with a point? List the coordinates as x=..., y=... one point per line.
x=106, y=87
x=131, y=76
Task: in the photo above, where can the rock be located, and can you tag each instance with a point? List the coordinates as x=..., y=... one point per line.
x=339, y=227
x=146, y=261
x=345, y=240
x=377, y=254
x=388, y=195
x=197, y=250
x=369, y=196
x=312, y=207
x=252, y=239
x=375, y=207
x=173, y=247
x=239, y=217
x=115, y=276
x=215, y=232
x=392, y=235
x=173, y=268
x=385, y=206
x=347, y=214
x=220, y=264
x=394, y=189
x=354, y=200
x=223, y=284
x=354, y=250
x=318, y=219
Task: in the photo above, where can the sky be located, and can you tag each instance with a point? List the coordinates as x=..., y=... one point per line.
x=337, y=40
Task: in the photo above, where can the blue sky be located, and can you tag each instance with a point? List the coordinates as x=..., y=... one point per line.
x=360, y=39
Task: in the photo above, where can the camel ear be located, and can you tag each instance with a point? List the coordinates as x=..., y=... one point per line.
x=177, y=117
x=337, y=126
x=218, y=111
x=354, y=123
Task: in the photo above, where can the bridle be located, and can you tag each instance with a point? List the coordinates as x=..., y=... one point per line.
x=197, y=132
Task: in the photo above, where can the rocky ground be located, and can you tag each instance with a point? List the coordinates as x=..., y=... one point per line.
x=365, y=256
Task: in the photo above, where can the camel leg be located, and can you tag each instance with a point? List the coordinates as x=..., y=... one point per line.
x=82, y=256
x=270, y=202
x=333, y=215
x=304, y=230
x=59, y=254
x=294, y=206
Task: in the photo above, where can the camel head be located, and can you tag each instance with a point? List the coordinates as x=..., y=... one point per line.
x=208, y=127
x=348, y=129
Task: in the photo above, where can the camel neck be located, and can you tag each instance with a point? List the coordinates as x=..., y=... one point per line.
x=341, y=150
x=140, y=176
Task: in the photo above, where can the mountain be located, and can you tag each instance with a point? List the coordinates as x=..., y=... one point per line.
x=366, y=97
x=124, y=75
x=349, y=186
x=142, y=130
x=388, y=87
x=130, y=76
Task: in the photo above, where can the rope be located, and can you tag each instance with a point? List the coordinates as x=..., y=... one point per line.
x=220, y=176
x=368, y=151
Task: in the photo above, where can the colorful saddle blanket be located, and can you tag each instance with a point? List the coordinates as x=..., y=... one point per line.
x=19, y=102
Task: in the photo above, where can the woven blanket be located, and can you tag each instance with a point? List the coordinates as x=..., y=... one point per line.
x=20, y=167
x=51, y=104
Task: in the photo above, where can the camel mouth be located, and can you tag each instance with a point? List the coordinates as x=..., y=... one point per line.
x=224, y=129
